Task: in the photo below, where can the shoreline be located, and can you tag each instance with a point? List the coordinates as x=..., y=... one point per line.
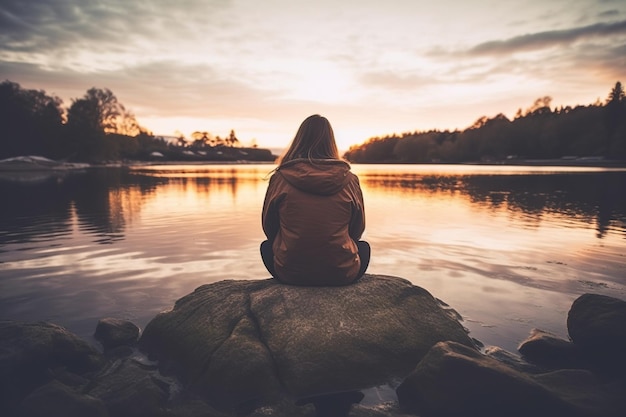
x=35, y=163
x=518, y=162
x=581, y=162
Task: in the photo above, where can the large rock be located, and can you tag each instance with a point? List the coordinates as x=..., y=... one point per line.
x=243, y=343
x=30, y=351
x=453, y=380
x=597, y=325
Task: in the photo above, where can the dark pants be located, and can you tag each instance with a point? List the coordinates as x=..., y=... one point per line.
x=267, y=254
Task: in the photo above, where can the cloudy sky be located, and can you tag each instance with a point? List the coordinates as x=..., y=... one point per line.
x=261, y=66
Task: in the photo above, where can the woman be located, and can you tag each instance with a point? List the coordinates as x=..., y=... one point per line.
x=313, y=214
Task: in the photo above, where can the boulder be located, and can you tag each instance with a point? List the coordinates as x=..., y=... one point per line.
x=240, y=344
x=549, y=351
x=454, y=380
x=113, y=333
x=30, y=351
x=57, y=399
x=597, y=325
x=129, y=389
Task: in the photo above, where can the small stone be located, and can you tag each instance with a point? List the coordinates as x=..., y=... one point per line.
x=549, y=351
x=111, y=333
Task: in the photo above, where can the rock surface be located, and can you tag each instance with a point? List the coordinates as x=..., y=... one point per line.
x=28, y=353
x=113, y=333
x=311, y=349
x=597, y=326
x=550, y=351
x=243, y=343
x=57, y=399
x=453, y=380
x=129, y=389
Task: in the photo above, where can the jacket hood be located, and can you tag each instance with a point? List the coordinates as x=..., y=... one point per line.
x=316, y=176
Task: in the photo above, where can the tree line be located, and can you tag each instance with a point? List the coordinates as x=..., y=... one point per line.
x=96, y=128
x=539, y=132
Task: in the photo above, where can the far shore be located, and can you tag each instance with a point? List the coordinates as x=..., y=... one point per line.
x=590, y=162
x=579, y=162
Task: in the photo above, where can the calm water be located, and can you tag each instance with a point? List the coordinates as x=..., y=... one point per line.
x=508, y=247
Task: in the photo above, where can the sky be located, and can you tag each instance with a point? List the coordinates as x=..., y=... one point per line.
x=371, y=67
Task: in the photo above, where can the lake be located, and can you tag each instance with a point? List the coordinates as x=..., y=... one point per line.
x=508, y=247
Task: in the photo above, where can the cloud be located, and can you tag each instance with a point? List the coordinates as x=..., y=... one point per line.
x=559, y=57
x=542, y=40
x=39, y=25
x=169, y=89
x=47, y=26
x=609, y=13
x=394, y=81
x=160, y=88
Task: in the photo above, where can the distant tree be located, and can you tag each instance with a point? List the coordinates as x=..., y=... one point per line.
x=91, y=118
x=31, y=122
x=615, y=116
x=180, y=139
x=541, y=105
x=480, y=122
x=201, y=139
x=232, y=139
x=410, y=148
x=100, y=109
x=617, y=94
x=217, y=141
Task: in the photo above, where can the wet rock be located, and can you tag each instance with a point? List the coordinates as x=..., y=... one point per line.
x=195, y=407
x=28, y=353
x=128, y=389
x=113, y=333
x=551, y=352
x=511, y=359
x=596, y=325
x=588, y=394
x=57, y=399
x=454, y=380
x=333, y=405
x=241, y=344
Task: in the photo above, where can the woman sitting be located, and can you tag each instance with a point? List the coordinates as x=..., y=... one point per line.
x=313, y=213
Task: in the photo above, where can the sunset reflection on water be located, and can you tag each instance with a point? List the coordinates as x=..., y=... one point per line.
x=508, y=247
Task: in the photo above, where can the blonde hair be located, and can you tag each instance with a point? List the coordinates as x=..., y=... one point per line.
x=314, y=140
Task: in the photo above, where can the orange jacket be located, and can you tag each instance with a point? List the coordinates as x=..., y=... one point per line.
x=313, y=214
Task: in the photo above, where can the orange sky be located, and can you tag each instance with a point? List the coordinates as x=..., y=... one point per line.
x=373, y=68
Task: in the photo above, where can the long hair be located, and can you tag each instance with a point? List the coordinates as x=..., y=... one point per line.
x=314, y=140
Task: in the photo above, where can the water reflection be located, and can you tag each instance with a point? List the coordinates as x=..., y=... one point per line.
x=495, y=244
x=588, y=197
x=104, y=201
x=100, y=201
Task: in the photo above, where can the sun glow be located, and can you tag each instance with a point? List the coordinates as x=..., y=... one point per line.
x=319, y=81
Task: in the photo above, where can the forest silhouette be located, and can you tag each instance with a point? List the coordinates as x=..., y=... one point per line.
x=98, y=128
x=594, y=132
